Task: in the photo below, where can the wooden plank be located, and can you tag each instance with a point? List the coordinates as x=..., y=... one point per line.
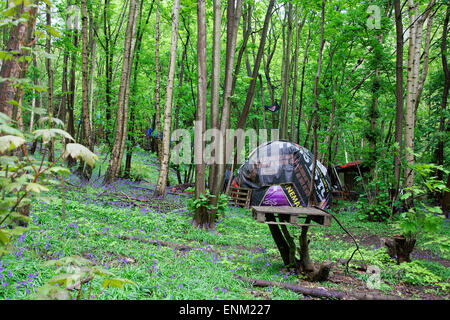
x=296, y=224
x=290, y=210
x=239, y=188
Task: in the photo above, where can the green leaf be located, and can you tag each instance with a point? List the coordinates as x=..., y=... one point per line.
x=36, y=187
x=48, y=134
x=78, y=151
x=4, y=239
x=116, y=282
x=65, y=279
x=8, y=143
x=10, y=130
x=49, y=292
x=52, y=31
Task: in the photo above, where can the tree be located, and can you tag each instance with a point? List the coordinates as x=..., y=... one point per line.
x=164, y=168
x=233, y=16
x=398, y=97
x=201, y=217
x=115, y=162
x=20, y=36
x=413, y=83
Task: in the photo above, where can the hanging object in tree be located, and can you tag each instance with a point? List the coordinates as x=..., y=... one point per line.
x=274, y=107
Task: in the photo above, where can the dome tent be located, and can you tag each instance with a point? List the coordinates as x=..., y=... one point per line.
x=279, y=174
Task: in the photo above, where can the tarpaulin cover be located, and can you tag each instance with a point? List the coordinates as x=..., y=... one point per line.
x=279, y=174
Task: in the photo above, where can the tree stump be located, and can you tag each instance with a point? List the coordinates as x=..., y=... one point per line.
x=400, y=248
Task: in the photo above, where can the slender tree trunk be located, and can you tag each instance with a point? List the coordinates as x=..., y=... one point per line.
x=85, y=90
x=115, y=162
x=399, y=98
x=131, y=134
x=19, y=37
x=311, y=197
x=443, y=122
x=48, y=65
x=164, y=169
x=302, y=84
x=215, y=84
x=251, y=90
x=286, y=66
x=202, y=217
x=157, y=87
x=233, y=16
x=412, y=85
x=298, y=28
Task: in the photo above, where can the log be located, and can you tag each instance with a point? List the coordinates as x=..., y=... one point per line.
x=316, y=292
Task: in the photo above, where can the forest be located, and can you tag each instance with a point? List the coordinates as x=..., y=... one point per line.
x=224, y=150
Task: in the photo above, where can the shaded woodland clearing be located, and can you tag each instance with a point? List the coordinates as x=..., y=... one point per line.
x=154, y=245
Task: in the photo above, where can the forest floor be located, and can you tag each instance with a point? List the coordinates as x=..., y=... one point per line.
x=151, y=242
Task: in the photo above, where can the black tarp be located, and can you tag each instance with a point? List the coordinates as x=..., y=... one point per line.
x=279, y=174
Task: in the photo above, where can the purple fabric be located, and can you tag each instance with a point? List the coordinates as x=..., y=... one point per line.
x=275, y=197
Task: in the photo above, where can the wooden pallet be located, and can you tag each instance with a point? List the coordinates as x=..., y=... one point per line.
x=240, y=197
x=289, y=215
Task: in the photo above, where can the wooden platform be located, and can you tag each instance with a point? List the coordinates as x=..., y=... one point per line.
x=240, y=197
x=289, y=215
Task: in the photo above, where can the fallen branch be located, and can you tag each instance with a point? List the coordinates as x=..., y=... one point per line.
x=317, y=293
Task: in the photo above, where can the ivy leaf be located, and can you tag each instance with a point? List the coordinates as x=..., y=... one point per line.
x=8, y=142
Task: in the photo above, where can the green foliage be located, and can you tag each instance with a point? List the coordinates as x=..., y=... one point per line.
x=24, y=178
x=416, y=273
x=204, y=201
x=76, y=271
x=424, y=218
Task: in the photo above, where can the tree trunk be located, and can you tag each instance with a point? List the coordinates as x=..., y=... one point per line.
x=115, y=162
x=202, y=217
x=399, y=99
x=164, y=168
x=251, y=89
x=131, y=134
x=302, y=84
x=233, y=17
x=215, y=84
x=412, y=86
x=311, y=197
x=157, y=87
x=85, y=90
x=443, y=126
x=285, y=77
x=48, y=65
x=19, y=37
